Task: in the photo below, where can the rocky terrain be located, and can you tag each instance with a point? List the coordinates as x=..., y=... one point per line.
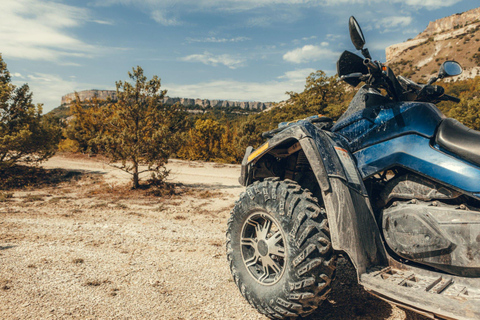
x=456, y=37
x=90, y=248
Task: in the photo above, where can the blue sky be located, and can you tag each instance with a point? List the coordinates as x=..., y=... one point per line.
x=215, y=49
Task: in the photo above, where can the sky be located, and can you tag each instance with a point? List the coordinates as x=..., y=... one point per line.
x=243, y=50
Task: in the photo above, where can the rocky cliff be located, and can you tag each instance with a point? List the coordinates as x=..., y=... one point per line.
x=203, y=103
x=88, y=95
x=456, y=37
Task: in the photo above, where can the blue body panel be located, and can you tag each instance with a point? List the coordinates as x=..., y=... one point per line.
x=400, y=134
x=415, y=153
x=373, y=125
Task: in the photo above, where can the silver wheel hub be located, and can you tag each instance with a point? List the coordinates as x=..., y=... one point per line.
x=263, y=248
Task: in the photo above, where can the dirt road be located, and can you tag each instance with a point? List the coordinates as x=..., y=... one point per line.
x=90, y=248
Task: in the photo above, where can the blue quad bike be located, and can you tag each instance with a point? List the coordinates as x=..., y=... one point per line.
x=393, y=184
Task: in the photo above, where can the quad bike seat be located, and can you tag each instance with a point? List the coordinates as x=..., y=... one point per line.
x=459, y=139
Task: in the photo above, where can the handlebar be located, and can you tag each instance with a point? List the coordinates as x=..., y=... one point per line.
x=451, y=98
x=435, y=91
x=359, y=75
x=431, y=92
x=409, y=83
x=371, y=65
x=352, y=75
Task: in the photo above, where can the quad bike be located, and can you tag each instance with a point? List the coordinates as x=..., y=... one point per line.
x=393, y=185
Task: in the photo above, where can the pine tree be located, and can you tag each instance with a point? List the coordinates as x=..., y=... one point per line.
x=25, y=135
x=320, y=91
x=140, y=129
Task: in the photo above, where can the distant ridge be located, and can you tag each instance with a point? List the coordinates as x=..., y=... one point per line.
x=204, y=103
x=456, y=37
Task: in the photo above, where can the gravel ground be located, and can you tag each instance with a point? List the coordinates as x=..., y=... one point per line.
x=90, y=248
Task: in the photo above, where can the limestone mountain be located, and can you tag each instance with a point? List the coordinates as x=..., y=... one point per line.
x=456, y=37
x=186, y=102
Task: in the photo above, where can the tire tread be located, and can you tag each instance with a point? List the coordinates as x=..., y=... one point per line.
x=314, y=261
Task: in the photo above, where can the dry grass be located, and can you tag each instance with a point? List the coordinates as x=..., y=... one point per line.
x=58, y=199
x=99, y=205
x=216, y=243
x=32, y=198
x=5, y=196
x=135, y=213
x=121, y=206
x=96, y=282
x=207, y=194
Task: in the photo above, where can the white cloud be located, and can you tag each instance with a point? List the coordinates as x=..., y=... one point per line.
x=333, y=37
x=162, y=18
x=218, y=40
x=259, y=21
x=298, y=75
x=35, y=30
x=215, y=60
x=264, y=13
x=309, y=53
x=105, y=22
x=246, y=5
x=430, y=4
x=235, y=90
x=220, y=5
x=394, y=22
x=297, y=41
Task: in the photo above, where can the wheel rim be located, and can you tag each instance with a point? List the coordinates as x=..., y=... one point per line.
x=263, y=248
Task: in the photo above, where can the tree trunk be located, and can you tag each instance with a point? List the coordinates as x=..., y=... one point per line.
x=135, y=176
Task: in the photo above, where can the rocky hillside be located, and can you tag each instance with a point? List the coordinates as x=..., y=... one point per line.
x=456, y=37
x=203, y=103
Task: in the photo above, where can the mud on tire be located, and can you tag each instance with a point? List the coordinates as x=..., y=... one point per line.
x=279, y=249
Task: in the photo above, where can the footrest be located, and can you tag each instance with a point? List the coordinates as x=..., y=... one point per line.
x=427, y=292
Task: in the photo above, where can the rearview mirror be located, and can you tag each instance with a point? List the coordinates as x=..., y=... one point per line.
x=450, y=69
x=447, y=69
x=356, y=34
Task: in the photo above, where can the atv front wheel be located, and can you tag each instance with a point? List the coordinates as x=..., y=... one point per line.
x=279, y=249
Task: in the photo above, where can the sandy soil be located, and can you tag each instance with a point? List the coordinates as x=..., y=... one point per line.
x=90, y=248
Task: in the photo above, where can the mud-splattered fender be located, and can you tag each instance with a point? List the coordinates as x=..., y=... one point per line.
x=353, y=227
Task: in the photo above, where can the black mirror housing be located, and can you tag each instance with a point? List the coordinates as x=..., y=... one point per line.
x=449, y=69
x=356, y=34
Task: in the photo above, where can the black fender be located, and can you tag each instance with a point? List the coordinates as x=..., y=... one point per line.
x=353, y=226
